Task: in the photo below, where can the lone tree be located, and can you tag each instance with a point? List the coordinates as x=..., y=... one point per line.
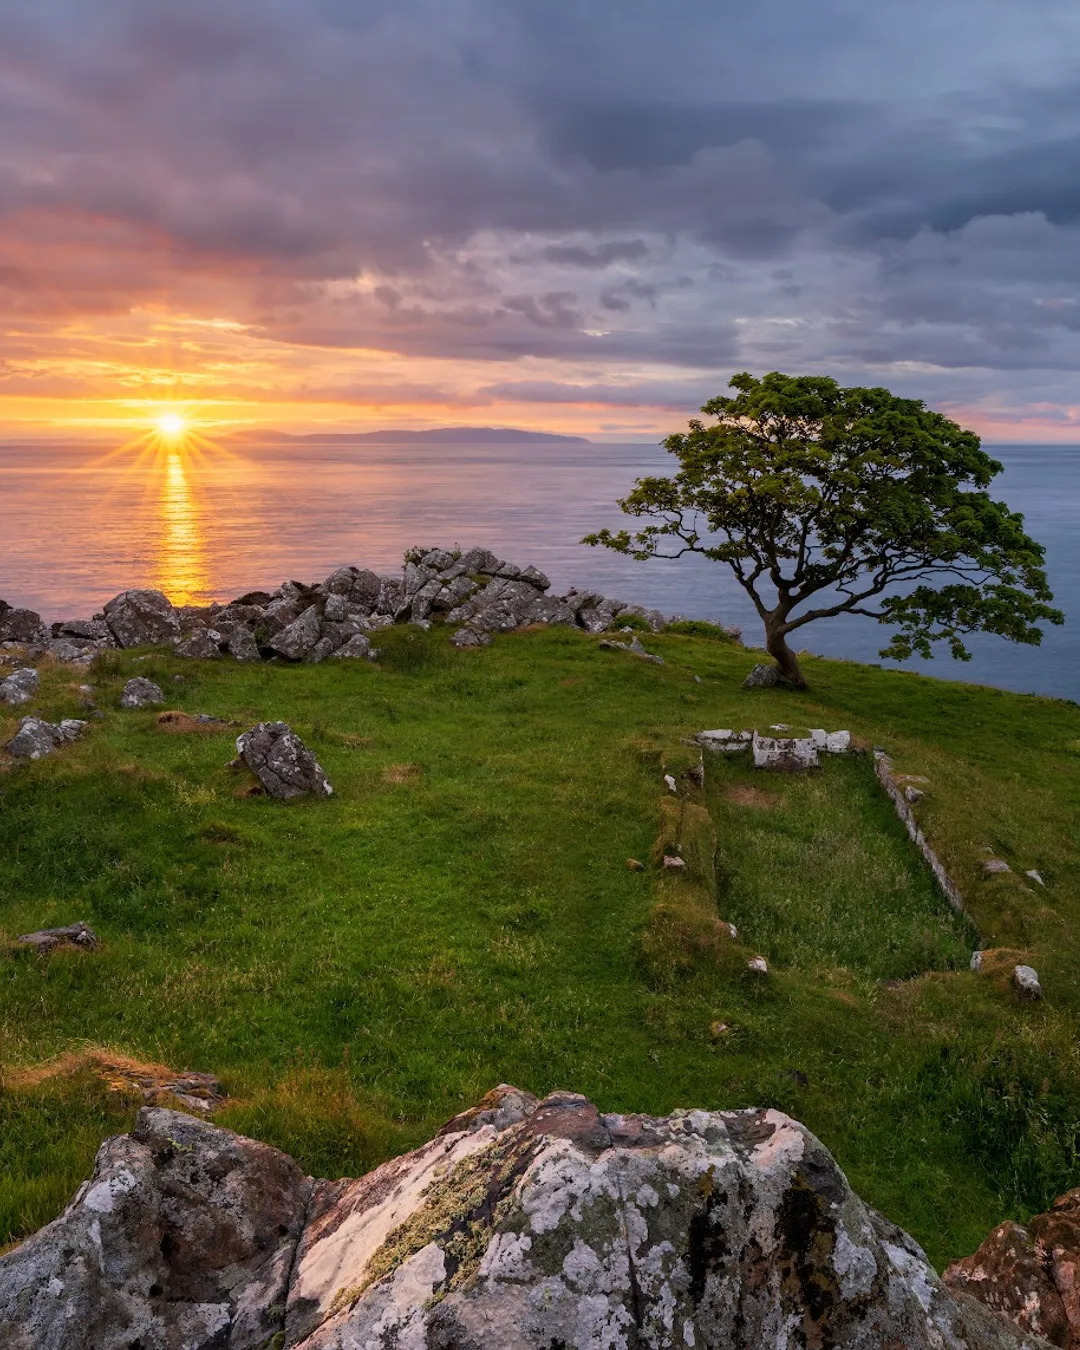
x=827, y=501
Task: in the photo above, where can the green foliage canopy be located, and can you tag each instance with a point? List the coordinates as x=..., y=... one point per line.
x=845, y=501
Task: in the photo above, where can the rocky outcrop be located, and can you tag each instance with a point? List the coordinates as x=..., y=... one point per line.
x=35, y=738
x=1030, y=1273
x=522, y=1225
x=21, y=627
x=282, y=762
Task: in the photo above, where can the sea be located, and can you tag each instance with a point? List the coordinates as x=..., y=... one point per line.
x=208, y=521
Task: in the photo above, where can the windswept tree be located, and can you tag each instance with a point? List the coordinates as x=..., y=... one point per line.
x=827, y=501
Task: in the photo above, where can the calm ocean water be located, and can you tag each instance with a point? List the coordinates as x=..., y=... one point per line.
x=78, y=525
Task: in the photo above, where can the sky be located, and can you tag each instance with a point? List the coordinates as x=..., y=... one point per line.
x=581, y=215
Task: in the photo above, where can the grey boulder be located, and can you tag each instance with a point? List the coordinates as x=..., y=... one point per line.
x=295, y=641
x=202, y=644
x=19, y=687
x=763, y=677
x=522, y=1225
x=183, y=1237
x=470, y=637
x=79, y=935
x=142, y=618
x=21, y=626
x=36, y=738
x=141, y=693
x=282, y=762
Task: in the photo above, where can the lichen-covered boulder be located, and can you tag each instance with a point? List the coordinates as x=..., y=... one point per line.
x=298, y=638
x=142, y=618
x=19, y=687
x=555, y=1225
x=183, y=1236
x=201, y=644
x=140, y=692
x=282, y=762
x=21, y=626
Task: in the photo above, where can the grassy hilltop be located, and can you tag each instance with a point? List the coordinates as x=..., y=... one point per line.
x=460, y=913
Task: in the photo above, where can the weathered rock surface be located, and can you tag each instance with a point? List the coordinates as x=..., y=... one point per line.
x=21, y=626
x=763, y=677
x=792, y=754
x=203, y=644
x=142, y=618
x=79, y=935
x=522, y=1225
x=183, y=1237
x=141, y=693
x=19, y=687
x=1026, y=983
x=36, y=738
x=1030, y=1273
x=282, y=762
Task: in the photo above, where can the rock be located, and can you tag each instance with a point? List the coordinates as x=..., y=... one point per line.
x=356, y=587
x=551, y=610
x=652, y=617
x=184, y=1236
x=142, y=618
x=995, y=867
x=72, y=652
x=21, y=626
x=19, y=687
x=634, y=647
x=673, y=864
x=358, y=647
x=763, y=677
x=87, y=630
x=79, y=935
x=141, y=693
x=201, y=645
x=479, y=561
x=282, y=762
x=913, y=794
x=242, y=644
x=471, y=637
x=758, y=965
x=672, y=786
x=976, y=961
x=522, y=1225
x=1034, y=875
x=718, y=1029
x=724, y=741
x=833, y=742
x=298, y=638
x=633, y=865
x=733, y=931
x=789, y=753
x=1026, y=983
x=1027, y=1273
x=36, y=738
x=534, y=577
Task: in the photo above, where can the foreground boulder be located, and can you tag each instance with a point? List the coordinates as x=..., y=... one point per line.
x=143, y=618
x=282, y=762
x=22, y=627
x=523, y=1225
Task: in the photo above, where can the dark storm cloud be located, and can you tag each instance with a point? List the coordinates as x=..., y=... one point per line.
x=511, y=179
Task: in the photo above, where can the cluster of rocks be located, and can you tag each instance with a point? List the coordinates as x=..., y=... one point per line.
x=523, y=1225
x=790, y=753
x=476, y=591
x=36, y=738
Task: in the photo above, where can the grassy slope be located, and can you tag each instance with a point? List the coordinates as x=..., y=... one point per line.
x=358, y=969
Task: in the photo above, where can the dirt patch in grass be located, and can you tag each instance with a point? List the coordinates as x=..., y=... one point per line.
x=402, y=773
x=179, y=722
x=157, y=1084
x=743, y=794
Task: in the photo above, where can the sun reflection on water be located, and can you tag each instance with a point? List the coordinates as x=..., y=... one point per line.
x=180, y=562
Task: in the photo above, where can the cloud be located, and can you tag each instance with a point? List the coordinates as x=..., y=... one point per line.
x=620, y=198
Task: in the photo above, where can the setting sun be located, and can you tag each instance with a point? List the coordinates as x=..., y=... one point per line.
x=171, y=425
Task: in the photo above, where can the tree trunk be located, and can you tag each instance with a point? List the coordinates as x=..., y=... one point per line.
x=784, y=657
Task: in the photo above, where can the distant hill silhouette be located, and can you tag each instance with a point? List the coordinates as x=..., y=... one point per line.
x=434, y=436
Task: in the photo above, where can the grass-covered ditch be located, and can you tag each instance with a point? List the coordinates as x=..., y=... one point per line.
x=460, y=913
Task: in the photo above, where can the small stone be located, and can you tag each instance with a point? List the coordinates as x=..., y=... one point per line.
x=758, y=964
x=79, y=935
x=782, y=726
x=633, y=865
x=733, y=931
x=471, y=637
x=19, y=687
x=282, y=762
x=994, y=867
x=673, y=864
x=696, y=679
x=141, y=693
x=1033, y=874
x=976, y=961
x=1026, y=982
x=913, y=794
x=672, y=786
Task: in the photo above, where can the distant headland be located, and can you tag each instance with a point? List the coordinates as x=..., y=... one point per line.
x=433, y=436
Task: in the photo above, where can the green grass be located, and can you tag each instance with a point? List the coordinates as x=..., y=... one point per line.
x=459, y=913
